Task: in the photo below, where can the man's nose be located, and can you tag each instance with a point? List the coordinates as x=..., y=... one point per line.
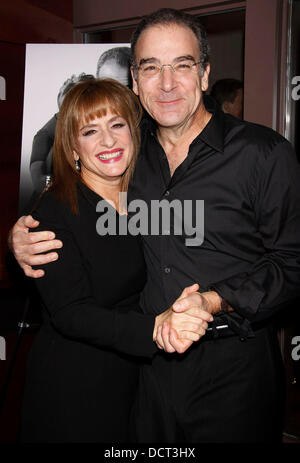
x=167, y=78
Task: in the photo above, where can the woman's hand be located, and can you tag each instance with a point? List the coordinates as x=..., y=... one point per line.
x=177, y=331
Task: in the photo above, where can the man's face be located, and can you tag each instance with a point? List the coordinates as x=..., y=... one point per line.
x=236, y=107
x=171, y=99
x=114, y=70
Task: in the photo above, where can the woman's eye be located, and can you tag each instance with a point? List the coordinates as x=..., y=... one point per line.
x=118, y=125
x=89, y=132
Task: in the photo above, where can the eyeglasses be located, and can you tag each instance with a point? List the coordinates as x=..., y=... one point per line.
x=149, y=70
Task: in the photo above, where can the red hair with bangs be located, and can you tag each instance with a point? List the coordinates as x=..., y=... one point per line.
x=84, y=102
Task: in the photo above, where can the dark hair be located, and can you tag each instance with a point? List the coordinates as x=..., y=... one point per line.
x=168, y=16
x=225, y=90
x=69, y=83
x=119, y=54
x=84, y=102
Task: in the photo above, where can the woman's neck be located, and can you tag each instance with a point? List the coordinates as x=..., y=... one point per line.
x=108, y=190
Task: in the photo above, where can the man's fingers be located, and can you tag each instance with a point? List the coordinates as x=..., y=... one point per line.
x=29, y=272
x=204, y=325
x=195, y=312
x=194, y=304
x=28, y=221
x=188, y=290
x=41, y=259
x=35, y=237
x=24, y=254
x=196, y=326
x=25, y=222
x=43, y=246
x=198, y=314
x=191, y=336
x=186, y=302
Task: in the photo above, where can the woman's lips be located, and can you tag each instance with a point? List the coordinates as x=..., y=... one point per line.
x=110, y=156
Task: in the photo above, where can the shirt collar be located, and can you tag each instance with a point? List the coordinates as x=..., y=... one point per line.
x=213, y=132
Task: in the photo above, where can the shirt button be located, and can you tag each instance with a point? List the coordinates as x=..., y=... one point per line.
x=167, y=270
x=167, y=193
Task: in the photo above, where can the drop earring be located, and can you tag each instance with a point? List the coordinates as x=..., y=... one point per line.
x=77, y=165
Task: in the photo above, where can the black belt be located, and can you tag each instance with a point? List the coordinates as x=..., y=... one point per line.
x=222, y=330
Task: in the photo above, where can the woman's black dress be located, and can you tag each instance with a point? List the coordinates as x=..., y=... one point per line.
x=82, y=370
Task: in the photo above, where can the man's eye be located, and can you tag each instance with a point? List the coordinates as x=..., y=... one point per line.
x=183, y=66
x=150, y=68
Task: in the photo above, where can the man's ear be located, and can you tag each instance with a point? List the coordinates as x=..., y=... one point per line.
x=204, y=78
x=135, y=86
x=226, y=107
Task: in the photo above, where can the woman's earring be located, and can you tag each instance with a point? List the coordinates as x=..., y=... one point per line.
x=77, y=165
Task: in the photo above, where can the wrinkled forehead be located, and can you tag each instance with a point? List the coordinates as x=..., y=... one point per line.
x=161, y=41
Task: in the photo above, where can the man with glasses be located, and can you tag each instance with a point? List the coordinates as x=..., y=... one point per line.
x=228, y=386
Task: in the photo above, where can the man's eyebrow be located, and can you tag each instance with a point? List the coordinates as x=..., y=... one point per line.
x=148, y=60
x=176, y=60
x=184, y=58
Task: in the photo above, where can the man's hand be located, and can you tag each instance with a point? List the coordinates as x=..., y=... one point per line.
x=28, y=246
x=173, y=332
x=193, y=303
x=209, y=301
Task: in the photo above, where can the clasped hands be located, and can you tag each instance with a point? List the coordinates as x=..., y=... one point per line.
x=186, y=321
x=175, y=329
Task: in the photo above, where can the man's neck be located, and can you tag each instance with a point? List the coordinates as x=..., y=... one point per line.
x=176, y=141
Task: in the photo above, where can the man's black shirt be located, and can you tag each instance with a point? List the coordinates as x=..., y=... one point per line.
x=249, y=180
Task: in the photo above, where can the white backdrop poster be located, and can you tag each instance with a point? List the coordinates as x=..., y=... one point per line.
x=50, y=71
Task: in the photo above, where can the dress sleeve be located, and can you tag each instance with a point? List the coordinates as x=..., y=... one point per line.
x=274, y=278
x=41, y=154
x=66, y=294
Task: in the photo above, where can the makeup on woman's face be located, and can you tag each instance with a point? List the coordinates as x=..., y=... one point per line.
x=105, y=148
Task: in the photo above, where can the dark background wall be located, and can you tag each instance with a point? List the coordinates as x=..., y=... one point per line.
x=21, y=22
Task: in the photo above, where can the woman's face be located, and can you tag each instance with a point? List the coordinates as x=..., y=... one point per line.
x=105, y=149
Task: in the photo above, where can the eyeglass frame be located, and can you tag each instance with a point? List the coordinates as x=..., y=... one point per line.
x=171, y=66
